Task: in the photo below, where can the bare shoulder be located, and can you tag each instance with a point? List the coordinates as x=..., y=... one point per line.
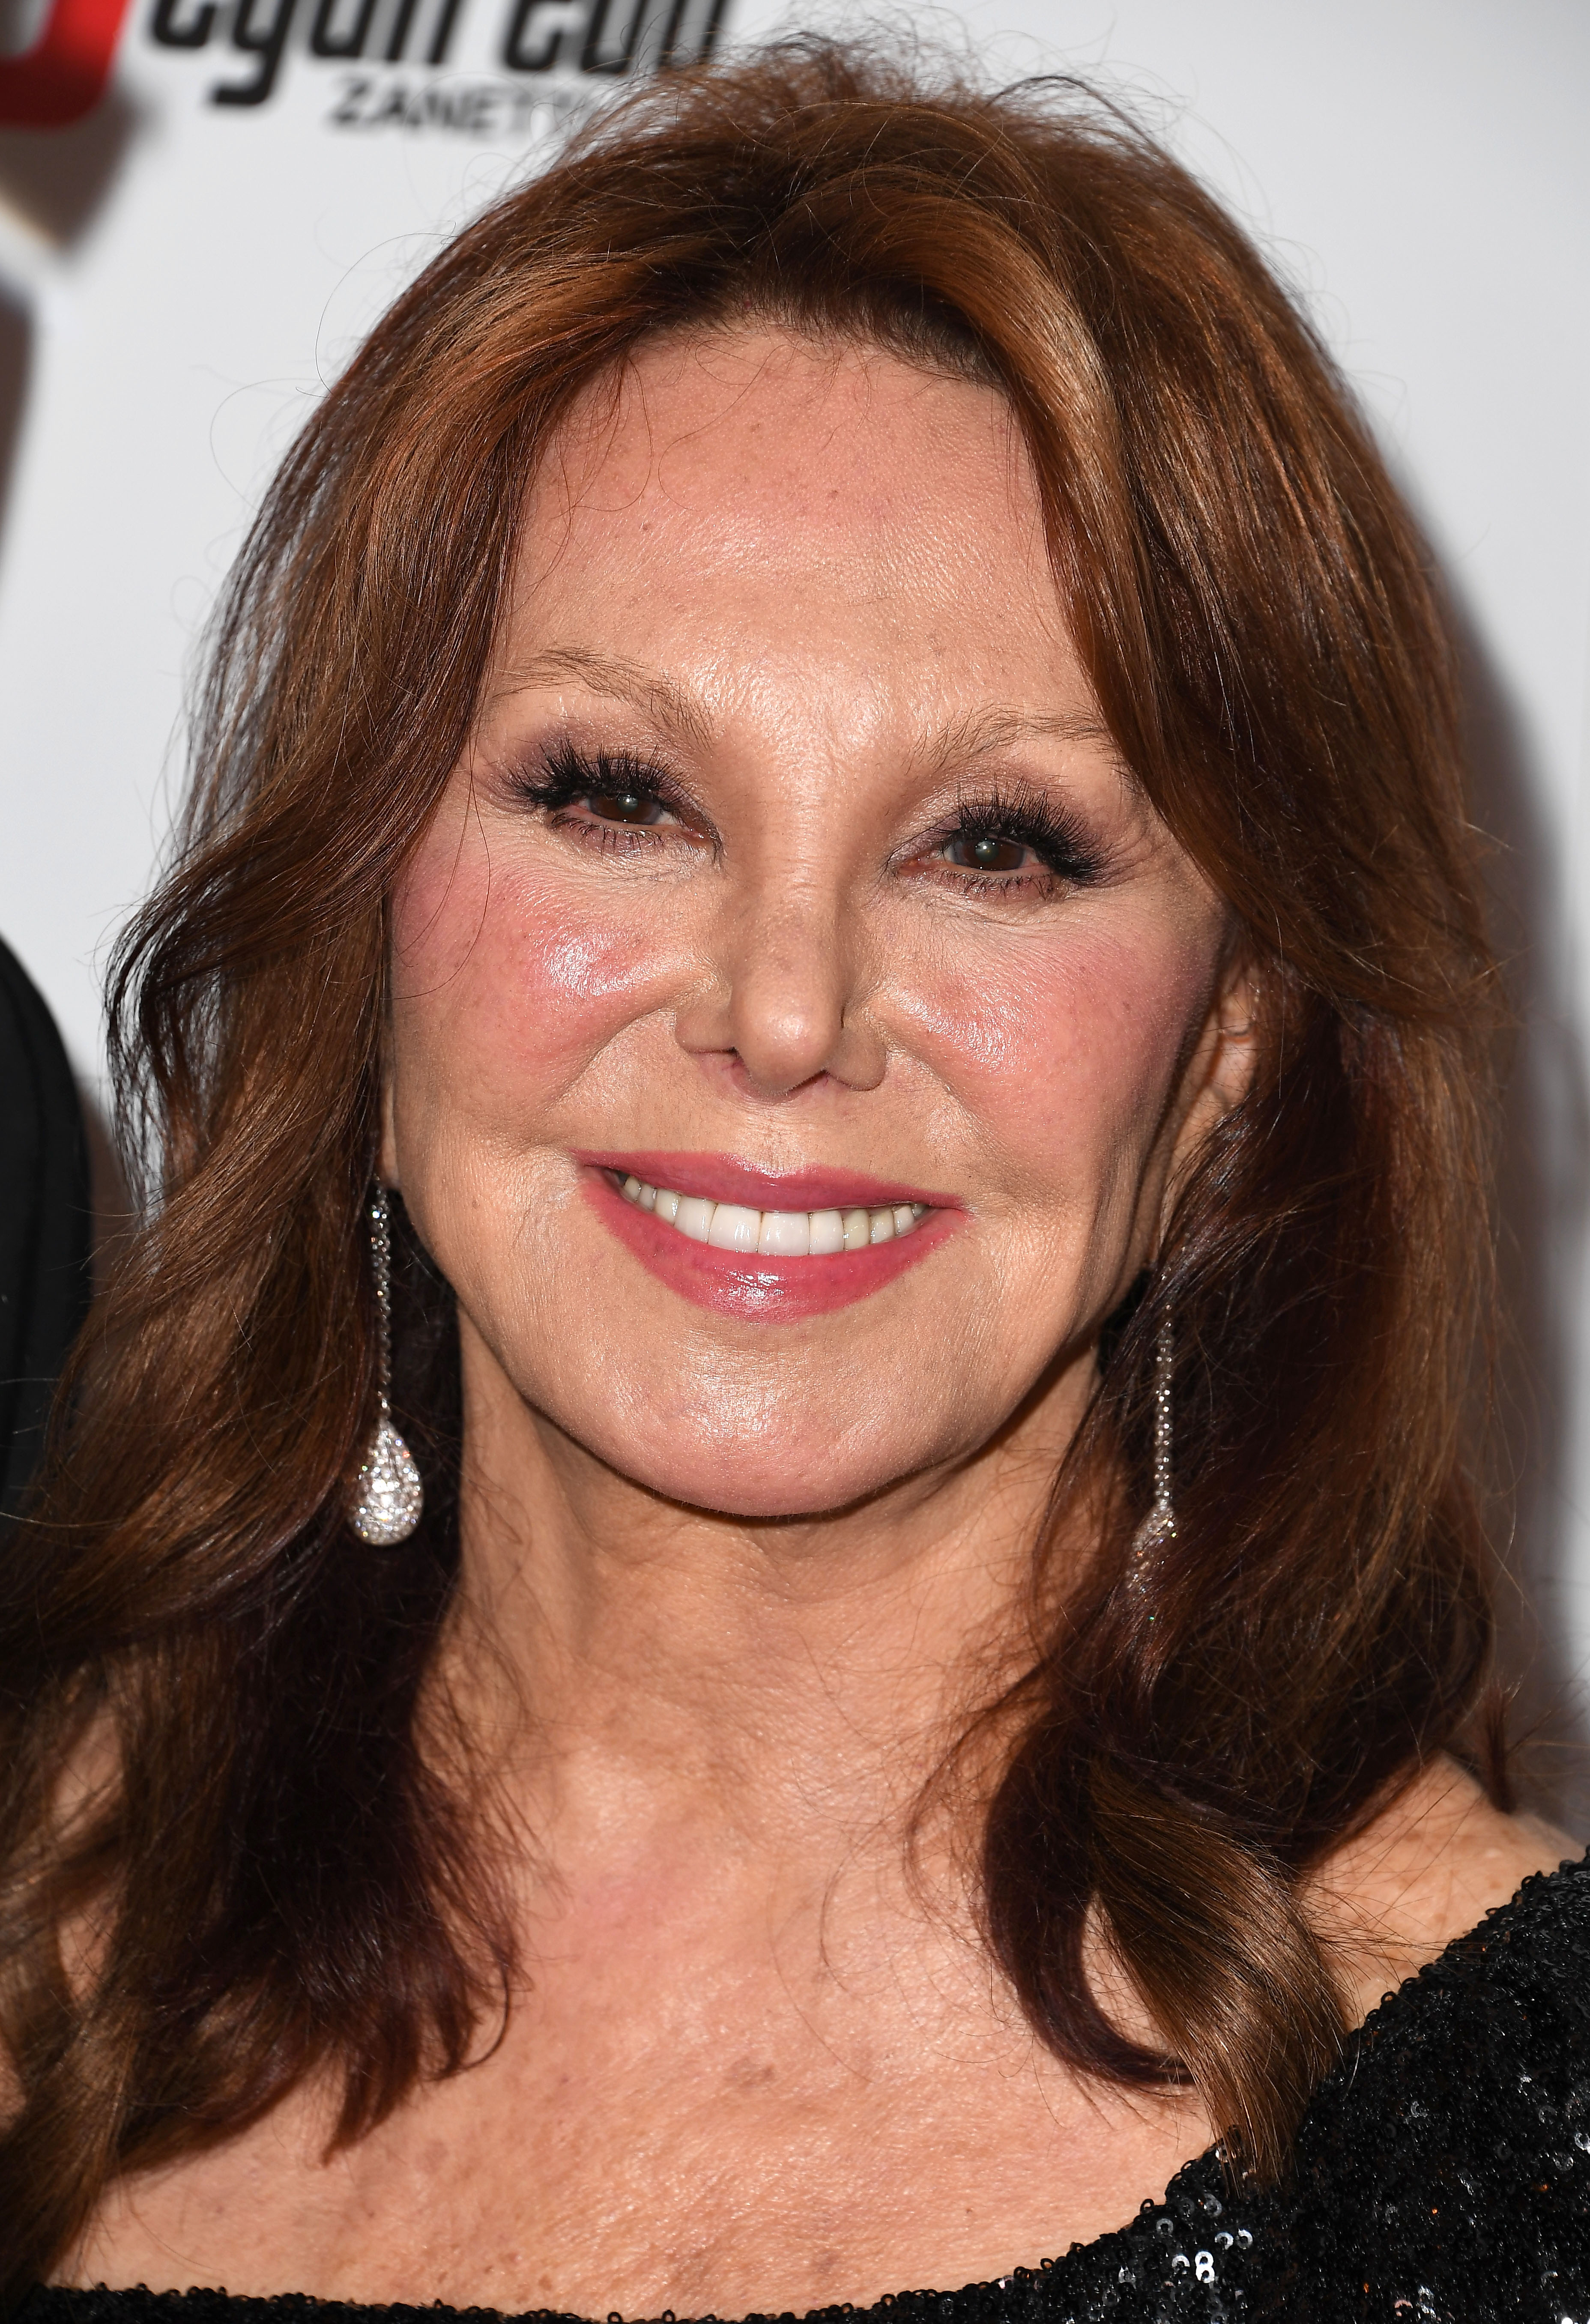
x=1425, y=1872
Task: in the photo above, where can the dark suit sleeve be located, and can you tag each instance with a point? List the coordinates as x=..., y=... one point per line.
x=45, y=1223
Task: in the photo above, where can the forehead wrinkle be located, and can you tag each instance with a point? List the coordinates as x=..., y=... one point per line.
x=618, y=679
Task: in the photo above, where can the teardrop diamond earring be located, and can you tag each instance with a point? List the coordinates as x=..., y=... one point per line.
x=1159, y=1525
x=389, y=1496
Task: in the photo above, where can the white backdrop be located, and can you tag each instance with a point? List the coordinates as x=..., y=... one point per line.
x=182, y=266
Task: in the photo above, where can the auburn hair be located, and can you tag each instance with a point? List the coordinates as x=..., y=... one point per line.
x=235, y=1850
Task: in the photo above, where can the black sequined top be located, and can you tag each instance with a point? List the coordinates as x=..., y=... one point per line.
x=1442, y=2177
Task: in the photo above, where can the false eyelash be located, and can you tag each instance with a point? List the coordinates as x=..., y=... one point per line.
x=1055, y=837
x=567, y=775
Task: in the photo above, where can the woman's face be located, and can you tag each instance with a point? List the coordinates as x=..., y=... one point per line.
x=791, y=872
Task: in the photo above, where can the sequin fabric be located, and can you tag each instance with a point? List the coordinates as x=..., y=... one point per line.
x=1442, y=2176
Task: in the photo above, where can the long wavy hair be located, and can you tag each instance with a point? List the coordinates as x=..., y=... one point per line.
x=236, y=1850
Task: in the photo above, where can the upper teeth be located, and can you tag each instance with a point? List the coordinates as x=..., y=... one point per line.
x=775, y=1234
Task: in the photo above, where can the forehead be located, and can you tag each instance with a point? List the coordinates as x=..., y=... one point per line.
x=833, y=498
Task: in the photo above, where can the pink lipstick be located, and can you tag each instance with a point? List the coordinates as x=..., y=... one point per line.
x=762, y=1245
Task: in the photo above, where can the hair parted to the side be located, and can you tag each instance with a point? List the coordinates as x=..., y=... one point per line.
x=275, y=1853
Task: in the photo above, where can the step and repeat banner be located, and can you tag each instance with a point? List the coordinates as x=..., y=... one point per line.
x=203, y=203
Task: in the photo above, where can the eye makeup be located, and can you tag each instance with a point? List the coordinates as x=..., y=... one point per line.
x=990, y=834
x=624, y=790
x=1019, y=844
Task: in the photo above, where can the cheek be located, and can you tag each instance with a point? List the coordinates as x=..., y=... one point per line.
x=1061, y=1054
x=507, y=983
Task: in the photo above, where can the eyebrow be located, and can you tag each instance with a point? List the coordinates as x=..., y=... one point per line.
x=983, y=731
x=978, y=735
x=620, y=680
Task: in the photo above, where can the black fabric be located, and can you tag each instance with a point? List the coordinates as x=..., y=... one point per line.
x=45, y=1223
x=1442, y=2177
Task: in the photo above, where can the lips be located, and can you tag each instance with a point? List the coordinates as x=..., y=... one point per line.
x=720, y=1178
x=772, y=1247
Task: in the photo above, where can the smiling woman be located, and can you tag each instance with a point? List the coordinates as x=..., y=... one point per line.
x=807, y=819
x=829, y=786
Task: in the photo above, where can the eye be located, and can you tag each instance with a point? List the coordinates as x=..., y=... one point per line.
x=625, y=806
x=988, y=852
x=1021, y=847
x=604, y=794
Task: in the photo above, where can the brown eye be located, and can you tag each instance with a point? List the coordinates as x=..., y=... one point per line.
x=625, y=806
x=989, y=853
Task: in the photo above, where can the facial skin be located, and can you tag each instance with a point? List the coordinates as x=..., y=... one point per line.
x=797, y=602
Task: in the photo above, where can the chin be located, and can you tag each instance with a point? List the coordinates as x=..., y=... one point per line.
x=764, y=1489
x=758, y=1476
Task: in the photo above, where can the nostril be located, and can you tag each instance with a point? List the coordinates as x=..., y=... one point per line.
x=771, y=1089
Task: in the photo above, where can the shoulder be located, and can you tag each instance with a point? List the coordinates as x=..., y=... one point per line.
x=1446, y=2162
x=1514, y=1991
x=1421, y=1875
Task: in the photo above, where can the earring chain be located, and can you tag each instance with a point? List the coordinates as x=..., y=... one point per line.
x=1159, y=1525
x=381, y=1252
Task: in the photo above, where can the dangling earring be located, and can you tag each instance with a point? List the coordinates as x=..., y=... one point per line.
x=389, y=1497
x=1159, y=1525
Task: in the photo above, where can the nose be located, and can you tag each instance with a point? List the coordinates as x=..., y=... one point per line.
x=786, y=1001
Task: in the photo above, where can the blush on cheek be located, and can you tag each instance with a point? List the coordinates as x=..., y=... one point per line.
x=506, y=974
x=1051, y=1049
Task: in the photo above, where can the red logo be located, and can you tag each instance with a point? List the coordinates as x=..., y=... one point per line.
x=63, y=75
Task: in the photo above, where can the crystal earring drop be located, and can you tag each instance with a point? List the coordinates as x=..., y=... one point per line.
x=1159, y=1525
x=389, y=1496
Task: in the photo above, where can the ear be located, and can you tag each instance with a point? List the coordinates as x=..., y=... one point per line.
x=1220, y=1067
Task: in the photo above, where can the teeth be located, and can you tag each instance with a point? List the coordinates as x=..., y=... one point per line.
x=694, y=1217
x=774, y=1234
x=784, y=1234
x=734, y=1229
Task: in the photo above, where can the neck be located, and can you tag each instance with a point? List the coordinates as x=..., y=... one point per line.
x=646, y=1667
